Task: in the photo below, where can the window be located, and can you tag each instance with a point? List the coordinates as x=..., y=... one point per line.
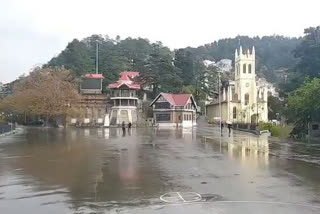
x=244, y=68
x=162, y=105
x=131, y=103
x=234, y=112
x=116, y=93
x=162, y=117
x=315, y=127
x=187, y=117
x=237, y=69
x=246, y=99
x=249, y=68
x=235, y=97
x=124, y=93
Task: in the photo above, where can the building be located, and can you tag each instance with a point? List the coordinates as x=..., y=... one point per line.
x=93, y=103
x=6, y=89
x=272, y=90
x=174, y=110
x=242, y=101
x=225, y=65
x=124, y=94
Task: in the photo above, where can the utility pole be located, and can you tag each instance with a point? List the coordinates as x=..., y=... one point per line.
x=97, y=56
x=220, y=110
x=257, y=117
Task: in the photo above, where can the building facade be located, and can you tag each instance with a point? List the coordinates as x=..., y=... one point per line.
x=242, y=100
x=124, y=94
x=93, y=103
x=174, y=110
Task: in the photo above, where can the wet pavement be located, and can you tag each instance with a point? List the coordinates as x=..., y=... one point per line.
x=150, y=170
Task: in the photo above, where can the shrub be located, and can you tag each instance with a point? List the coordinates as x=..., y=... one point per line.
x=275, y=131
x=265, y=126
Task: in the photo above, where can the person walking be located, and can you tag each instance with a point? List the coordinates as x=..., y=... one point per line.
x=229, y=127
x=221, y=128
x=123, y=125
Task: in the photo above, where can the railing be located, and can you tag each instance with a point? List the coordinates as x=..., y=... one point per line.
x=250, y=126
x=4, y=128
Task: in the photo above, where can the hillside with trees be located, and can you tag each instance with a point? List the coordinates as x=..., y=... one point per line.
x=171, y=70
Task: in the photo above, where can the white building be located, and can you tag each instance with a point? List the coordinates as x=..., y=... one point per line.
x=225, y=65
x=262, y=82
x=242, y=101
x=125, y=98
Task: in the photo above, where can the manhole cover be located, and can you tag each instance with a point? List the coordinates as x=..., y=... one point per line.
x=181, y=197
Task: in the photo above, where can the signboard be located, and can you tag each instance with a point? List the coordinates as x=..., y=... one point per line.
x=91, y=84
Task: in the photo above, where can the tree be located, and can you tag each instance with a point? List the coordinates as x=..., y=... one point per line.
x=303, y=103
x=47, y=92
x=275, y=108
x=159, y=71
x=308, y=51
x=308, y=55
x=75, y=57
x=184, y=61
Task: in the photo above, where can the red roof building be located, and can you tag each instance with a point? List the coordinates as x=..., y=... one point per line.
x=91, y=84
x=125, y=98
x=94, y=76
x=126, y=79
x=174, y=110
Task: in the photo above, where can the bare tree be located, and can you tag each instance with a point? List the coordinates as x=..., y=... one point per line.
x=47, y=92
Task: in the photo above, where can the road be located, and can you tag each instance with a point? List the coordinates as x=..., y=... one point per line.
x=149, y=170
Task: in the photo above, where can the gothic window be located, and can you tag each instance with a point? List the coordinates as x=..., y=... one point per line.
x=235, y=97
x=244, y=68
x=234, y=112
x=249, y=68
x=246, y=99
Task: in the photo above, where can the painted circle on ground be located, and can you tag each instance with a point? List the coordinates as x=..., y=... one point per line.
x=180, y=197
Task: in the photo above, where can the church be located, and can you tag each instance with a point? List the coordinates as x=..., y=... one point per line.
x=243, y=100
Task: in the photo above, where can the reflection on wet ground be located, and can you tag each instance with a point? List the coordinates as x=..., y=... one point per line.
x=105, y=170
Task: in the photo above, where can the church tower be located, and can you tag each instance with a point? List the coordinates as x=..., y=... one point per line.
x=245, y=81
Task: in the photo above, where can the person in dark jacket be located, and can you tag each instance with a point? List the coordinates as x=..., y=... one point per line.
x=123, y=125
x=229, y=127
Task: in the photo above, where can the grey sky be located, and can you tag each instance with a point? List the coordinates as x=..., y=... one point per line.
x=33, y=31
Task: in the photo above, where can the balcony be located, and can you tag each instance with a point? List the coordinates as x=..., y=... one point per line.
x=124, y=93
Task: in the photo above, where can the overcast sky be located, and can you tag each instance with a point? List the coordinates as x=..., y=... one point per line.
x=33, y=31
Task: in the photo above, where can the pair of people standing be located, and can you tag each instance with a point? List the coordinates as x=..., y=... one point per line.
x=229, y=128
x=123, y=125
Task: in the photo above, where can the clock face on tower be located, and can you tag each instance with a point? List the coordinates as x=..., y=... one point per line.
x=247, y=84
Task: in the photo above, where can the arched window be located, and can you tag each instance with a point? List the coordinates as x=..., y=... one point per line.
x=234, y=112
x=249, y=68
x=235, y=97
x=246, y=99
x=244, y=68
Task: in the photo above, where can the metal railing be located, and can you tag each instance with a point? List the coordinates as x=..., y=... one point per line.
x=4, y=128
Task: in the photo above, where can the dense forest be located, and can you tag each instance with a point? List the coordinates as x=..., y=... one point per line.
x=171, y=70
